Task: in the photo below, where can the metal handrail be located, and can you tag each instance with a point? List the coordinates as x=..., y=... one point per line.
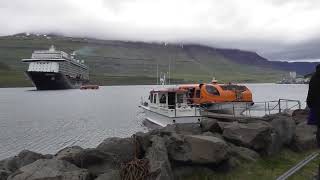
x=267, y=106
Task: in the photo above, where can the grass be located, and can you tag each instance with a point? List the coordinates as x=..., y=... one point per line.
x=9, y=78
x=124, y=63
x=267, y=168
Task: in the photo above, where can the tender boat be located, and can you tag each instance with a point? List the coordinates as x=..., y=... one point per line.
x=169, y=106
x=219, y=98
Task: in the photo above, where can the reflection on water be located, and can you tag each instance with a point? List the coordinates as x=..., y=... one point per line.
x=46, y=121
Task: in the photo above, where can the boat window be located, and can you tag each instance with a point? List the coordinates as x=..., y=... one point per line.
x=212, y=90
x=179, y=98
x=191, y=92
x=163, y=99
x=171, y=100
x=233, y=87
x=151, y=97
x=155, y=98
x=198, y=93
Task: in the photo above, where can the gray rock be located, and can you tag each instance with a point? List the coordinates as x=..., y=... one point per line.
x=276, y=144
x=243, y=154
x=304, y=138
x=283, y=133
x=4, y=174
x=143, y=140
x=122, y=148
x=110, y=175
x=256, y=135
x=52, y=169
x=177, y=149
x=222, y=125
x=23, y=158
x=184, y=128
x=284, y=127
x=271, y=117
x=217, y=135
x=158, y=159
x=97, y=162
x=210, y=125
x=206, y=149
x=300, y=115
x=198, y=149
x=68, y=153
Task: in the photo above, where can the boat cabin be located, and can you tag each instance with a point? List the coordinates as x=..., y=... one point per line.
x=168, y=98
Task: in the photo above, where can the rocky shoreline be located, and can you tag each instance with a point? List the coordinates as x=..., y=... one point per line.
x=172, y=152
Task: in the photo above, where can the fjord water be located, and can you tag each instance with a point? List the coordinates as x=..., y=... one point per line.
x=47, y=121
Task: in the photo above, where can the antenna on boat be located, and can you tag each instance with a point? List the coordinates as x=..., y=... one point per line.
x=157, y=73
x=169, y=74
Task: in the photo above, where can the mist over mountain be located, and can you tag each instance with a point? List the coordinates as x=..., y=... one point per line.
x=275, y=29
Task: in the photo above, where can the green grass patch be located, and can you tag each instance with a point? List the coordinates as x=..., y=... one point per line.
x=267, y=168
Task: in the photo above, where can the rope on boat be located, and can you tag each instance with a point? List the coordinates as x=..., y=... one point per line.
x=298, y=166
x=137, y=169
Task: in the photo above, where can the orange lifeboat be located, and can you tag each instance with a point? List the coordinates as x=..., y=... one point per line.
x=217, y=93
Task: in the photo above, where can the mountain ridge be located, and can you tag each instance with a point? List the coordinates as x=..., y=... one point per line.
x=127, y=62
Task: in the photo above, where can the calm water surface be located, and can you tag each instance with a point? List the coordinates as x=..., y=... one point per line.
x=47, y=121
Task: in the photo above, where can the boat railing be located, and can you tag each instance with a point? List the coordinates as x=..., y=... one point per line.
x=258, y=109
x=277, y=106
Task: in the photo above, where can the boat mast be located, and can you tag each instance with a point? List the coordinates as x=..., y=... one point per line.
x=157, y=73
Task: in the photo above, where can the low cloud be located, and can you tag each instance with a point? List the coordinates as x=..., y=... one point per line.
x=261, y=25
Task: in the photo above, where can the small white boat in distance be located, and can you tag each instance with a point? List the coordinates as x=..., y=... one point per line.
x=169, y=106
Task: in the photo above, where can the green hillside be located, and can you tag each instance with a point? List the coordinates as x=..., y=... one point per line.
x=118, y=62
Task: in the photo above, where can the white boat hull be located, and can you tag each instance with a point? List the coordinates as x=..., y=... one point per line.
x=163, y=118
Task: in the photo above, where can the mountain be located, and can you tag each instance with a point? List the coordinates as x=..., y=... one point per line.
x=252, y=58
x=122, y=63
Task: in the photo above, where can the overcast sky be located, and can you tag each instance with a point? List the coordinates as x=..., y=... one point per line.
x=261, y=25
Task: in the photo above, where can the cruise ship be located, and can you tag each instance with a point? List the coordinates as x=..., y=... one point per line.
x=52, y=70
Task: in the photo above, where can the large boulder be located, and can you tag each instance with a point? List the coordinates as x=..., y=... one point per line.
x=197, y=149
x=68, y=153
x=122, y=148
x=208, y=133
x=158, y=159
x=210, y=125
x=96, y=161
x=25, y=157
x=52, y=169
x=300, y=115
x=284, y=127
x=242, y=154
x=283, y=133
x=206, y=149
x=177, y=149
x=255, y=135
x=184, y=128
x=305, y=137
x=4, y=174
